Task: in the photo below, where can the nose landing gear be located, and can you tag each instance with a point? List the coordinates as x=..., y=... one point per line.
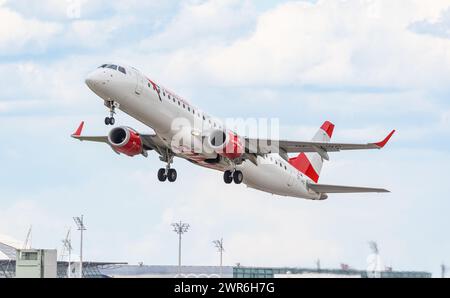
x=110, y=121
x=236, y=176
x=112, y=111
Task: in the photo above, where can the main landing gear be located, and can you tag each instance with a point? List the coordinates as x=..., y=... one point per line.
x=112, y=111
x=167, y=173
x=236, y=176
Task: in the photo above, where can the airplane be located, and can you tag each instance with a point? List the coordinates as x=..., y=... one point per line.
x=263, y=165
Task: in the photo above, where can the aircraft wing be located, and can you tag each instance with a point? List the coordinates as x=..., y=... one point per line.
x=326, y=189
x=259, y=146
x=150, y=141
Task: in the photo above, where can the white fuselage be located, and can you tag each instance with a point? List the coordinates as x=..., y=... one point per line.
x=135, y=95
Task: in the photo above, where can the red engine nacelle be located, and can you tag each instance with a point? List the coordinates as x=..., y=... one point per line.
x=126, y=141
x=226, y=144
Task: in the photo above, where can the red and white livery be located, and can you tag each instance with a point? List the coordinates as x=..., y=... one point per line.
x=265, y=165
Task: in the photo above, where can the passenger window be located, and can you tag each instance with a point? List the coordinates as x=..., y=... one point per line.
x=189, y=109
x=204, y=118
x=179, y=103
x=122, y=70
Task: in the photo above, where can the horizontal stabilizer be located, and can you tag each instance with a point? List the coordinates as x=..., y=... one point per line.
x=324, y=189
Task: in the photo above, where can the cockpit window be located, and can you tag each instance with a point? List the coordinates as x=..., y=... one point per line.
x=122, y=70
x=103, y=66
x=112, y=66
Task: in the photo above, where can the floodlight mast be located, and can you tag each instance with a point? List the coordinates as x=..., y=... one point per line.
x=180, y=228
x=219, y=245
x=81, y=227
x=67, y=245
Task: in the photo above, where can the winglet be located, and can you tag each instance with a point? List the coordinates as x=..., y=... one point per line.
x=385, y=141
x=79, y=130
x=328, y=127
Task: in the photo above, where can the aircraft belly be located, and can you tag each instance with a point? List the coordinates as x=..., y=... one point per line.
x=264, y=177
x=268, y=178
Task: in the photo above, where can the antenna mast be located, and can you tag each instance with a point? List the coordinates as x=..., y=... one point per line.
x=67, y=247
x=219, y=245
x=28, y=240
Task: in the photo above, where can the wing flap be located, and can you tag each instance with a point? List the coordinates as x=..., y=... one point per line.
x=326, y=189
x=98, y=139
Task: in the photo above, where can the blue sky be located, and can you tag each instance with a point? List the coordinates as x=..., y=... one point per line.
x=368, y=66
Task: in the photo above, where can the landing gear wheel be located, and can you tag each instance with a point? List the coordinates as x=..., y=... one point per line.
x=172, y=175
x=110, y=121
x=238, y=177
x=228, y=177
x=162, y=177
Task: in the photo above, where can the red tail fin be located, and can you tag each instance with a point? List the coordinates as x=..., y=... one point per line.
x=311, y=164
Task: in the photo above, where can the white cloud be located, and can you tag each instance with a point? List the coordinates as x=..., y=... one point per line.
x=95, y=34
x=304, y=43
x=445, y=119
x=437, y=28
x=19, y=34
x=60, y=82
x=204, y=23
x=300, y=43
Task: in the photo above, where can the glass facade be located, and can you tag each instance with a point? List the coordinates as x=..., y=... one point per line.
x=255, y=272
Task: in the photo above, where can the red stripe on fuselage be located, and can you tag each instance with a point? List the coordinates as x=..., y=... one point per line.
x=303, y=164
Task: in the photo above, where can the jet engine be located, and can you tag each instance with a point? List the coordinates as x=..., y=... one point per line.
x=125, y=140
x=226, y=144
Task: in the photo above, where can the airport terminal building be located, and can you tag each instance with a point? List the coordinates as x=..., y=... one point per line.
x=43, y=263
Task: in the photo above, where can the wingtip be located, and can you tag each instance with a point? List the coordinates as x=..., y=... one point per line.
x=78, y=132
x=328, y=127
x=383, y=143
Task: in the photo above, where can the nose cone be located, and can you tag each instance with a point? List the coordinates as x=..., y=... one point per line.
x=93, y=81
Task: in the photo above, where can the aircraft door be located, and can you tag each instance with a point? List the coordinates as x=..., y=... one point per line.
x=139, y=82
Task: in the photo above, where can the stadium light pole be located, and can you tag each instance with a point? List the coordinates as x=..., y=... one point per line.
x=180, y=228
x=67, y=244
x=219, y=245
x=81, y=227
